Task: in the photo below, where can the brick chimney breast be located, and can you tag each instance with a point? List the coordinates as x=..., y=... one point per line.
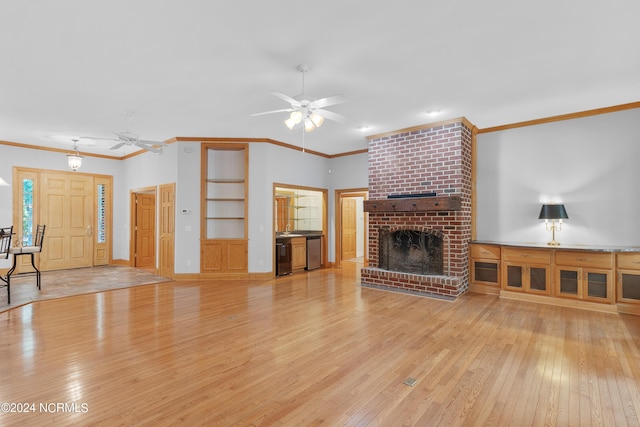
x=431, y=159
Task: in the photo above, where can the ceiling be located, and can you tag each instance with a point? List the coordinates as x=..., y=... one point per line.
x=199, y=68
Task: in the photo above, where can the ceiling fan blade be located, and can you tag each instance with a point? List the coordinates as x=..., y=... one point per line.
x=115, y=147
x=330, y=100
x=287, y=98
x=94, y=137
x=148, y=147
x=284, y=110
x=159, y=143
x=331, y=115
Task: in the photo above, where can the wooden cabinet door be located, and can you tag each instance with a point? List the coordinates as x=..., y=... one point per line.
x=236, y=253
x=224, y=256
x=298, y=253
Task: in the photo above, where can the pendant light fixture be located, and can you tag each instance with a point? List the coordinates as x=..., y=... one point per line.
x=74, y=159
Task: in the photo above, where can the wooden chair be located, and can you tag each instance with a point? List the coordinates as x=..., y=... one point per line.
x=5, y=244
x=36, y=248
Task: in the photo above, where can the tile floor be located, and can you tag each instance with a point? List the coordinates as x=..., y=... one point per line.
x=62, y=283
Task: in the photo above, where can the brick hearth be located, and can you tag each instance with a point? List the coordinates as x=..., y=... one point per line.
x=436, y=159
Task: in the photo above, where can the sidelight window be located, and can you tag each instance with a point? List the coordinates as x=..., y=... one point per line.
x=101, y=216
x=27, y=212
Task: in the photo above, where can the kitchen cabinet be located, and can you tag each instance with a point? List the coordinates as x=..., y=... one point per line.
x=298, y=253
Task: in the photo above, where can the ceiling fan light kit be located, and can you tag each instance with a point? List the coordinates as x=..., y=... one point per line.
x=307, y=110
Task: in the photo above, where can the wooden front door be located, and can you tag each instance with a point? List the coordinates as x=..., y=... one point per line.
x=66, y=207
x=145, y=250
x=167, y=233
x=349, y=225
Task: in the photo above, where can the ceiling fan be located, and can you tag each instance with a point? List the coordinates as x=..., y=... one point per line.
x=127, y=138
x=306, y=110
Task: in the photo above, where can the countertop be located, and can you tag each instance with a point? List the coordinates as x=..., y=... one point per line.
x=296, y=233
x=573, y=247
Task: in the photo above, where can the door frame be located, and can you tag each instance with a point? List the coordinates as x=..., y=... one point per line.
x=132, y=223
x=339, y=195
x=19, y=172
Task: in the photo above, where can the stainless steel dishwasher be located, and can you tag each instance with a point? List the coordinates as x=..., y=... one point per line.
x=314, y=252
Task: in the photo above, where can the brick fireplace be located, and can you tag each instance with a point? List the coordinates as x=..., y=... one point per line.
x=420, y=185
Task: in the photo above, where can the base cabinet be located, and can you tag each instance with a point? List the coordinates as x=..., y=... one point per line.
x=224, y=256
x=628, y=282
x=583, y=283
x=606, y=279
x=298, y=253
x=526, y=270
x=485, y=268
x=584, y=275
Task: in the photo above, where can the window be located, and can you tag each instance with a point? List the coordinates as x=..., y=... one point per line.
x=27, y=212
x=101, y=220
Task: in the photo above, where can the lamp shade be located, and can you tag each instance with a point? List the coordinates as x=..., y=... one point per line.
x=3, y=183
x=553, y=212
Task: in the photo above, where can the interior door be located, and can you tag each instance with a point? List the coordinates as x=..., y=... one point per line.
x=167, y=233
x=145, y=250
x=66, y=208
x=349, y=228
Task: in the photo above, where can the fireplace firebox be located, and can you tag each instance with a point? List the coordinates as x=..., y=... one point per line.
x=411, y=251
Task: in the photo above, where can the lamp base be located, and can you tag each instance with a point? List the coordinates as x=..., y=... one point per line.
x=553, y=243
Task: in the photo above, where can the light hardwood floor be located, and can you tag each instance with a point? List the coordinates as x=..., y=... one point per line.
x=314, y=349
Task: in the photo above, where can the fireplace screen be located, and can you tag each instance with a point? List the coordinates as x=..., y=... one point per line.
x=411, y=251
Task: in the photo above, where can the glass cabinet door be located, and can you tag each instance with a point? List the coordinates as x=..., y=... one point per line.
x=629, y=286
x=486, y=272
x=514, y=276
x=538, y=279
x=597, y=285
x=569, y=282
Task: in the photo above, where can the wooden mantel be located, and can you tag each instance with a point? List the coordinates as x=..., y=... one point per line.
x=414, y=204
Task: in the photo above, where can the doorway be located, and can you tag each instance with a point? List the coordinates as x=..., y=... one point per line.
x=351, y=225
x=76, y=209
x=143, y=229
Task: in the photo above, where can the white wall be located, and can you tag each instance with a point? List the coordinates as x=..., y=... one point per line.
x=590, y=164
x=141, y=171
x=347, y=172
x=187, y=226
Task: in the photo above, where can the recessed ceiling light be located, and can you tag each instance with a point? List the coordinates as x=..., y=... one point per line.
x=433, y=112
x=363, y=128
